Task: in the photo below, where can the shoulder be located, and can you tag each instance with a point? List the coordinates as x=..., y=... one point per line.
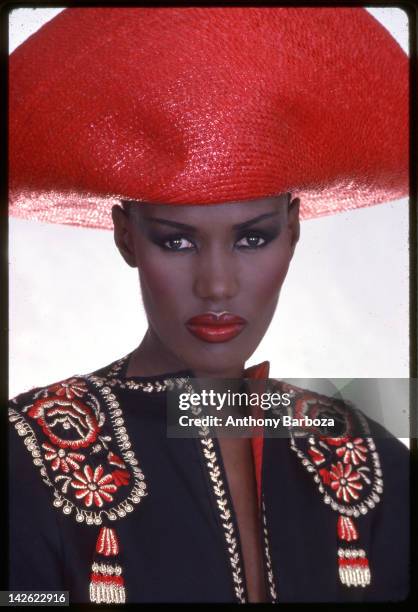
x=73, y=432
x=71, y=387
x=395, y=465
x=75, y=390
x=356, y=463
x=46, y=414
x=319, y=410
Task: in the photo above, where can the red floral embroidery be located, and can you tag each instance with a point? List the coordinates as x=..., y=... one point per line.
x=121, y=477
x=335, y=441
x=317, y=456
x=93, y=486
x=325, y=475
x=70, y=417
x=115, y=460
x=70, y=388
x=62, y=459
x=353, y=451
x=345, y=482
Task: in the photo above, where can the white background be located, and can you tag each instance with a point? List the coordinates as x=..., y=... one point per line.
x=343, y=313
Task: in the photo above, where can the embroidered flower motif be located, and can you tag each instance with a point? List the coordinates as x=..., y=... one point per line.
x=345, y=482
x=93, y=486
x=67, y=423
x=70, y=388
x=353, y=451
x=62, y=459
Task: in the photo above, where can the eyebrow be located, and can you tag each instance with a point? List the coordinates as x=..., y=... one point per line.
x=189, y=228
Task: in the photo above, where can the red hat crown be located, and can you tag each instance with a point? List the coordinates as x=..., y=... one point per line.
x=203, y=106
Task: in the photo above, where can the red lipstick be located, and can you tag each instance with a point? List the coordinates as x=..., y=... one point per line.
x=216, y=327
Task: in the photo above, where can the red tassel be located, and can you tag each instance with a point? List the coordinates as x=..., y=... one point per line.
x=107, y=542
x=346, y=529
x=106, y=581
x=353, y=565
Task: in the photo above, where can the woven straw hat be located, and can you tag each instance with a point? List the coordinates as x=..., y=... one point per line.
x=203, y=106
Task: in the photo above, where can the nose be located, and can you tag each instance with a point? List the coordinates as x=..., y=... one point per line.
x=216, y=277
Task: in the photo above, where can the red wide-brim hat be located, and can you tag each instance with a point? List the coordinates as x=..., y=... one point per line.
x=205, y=106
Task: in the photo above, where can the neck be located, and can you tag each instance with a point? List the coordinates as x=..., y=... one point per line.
x=228, y=373
x=151, y=358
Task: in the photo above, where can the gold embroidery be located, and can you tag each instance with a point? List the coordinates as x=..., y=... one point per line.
x=156, y=386
x=377, y=485
x=90, y=517
x=354, y=510
x=269, y=566
x=225, y=515
x=107, y=586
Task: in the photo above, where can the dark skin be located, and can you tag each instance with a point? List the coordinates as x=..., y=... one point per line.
x=193, y=259
x=209, y=266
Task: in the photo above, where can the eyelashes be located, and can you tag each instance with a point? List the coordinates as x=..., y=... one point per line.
x=247, y=241
x=178, y=243
x=253, y=240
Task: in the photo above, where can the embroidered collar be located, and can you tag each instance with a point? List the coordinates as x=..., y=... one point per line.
x=82, y=450
x=346, y=469
x=76, y=434
x=115, y=376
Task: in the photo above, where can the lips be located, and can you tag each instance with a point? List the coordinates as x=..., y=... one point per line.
x=211, y=327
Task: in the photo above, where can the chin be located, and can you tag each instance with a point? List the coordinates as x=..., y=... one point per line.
x=217, y=359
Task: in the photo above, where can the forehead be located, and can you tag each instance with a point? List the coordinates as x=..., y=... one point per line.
x=224, y=214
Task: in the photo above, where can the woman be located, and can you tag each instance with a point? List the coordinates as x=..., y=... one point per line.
x=203, y=158
x=180, y=248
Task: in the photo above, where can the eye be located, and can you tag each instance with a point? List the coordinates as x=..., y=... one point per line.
x=178, y=244
x=251, y=241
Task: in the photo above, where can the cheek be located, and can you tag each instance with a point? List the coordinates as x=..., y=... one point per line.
x=266, y=277
x=160, y=286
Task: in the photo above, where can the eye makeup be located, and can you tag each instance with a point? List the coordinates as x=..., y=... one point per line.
x=187, y=237
x=187, y=243
x=266, y=234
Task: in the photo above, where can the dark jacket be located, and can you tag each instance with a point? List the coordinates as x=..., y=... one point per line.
x=90, y=457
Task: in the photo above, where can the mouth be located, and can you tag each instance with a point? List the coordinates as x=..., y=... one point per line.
x=216, y=327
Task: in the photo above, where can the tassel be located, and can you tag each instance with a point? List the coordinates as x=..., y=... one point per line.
x=106, y=580
x=353, y=565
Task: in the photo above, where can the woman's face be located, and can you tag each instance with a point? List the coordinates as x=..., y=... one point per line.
x=197, y=262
